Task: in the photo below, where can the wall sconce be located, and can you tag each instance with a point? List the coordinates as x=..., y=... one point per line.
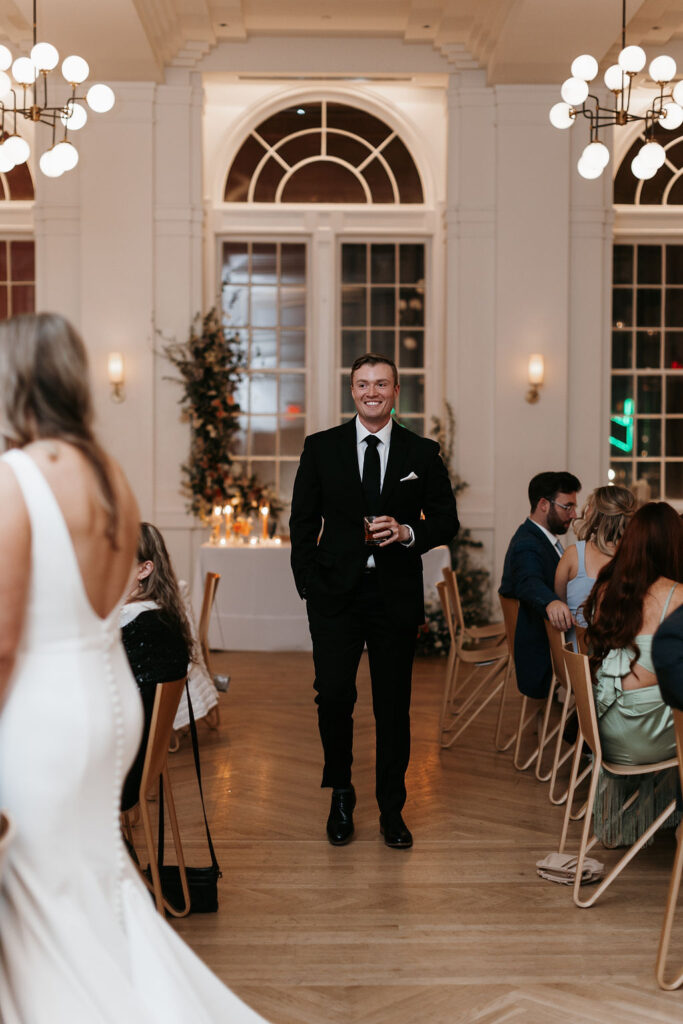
x=117, y=376
x=536, y=373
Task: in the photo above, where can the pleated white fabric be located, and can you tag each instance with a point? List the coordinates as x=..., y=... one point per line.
x=80, y=940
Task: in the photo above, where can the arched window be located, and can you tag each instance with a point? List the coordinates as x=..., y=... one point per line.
x=665, y=188
x=323, y=152
x=17, y=254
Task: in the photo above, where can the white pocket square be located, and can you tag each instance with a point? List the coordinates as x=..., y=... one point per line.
x=411, y=476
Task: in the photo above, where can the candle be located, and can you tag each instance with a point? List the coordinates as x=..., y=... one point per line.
x=264, y=510
x=216, y=524
x=227, y=519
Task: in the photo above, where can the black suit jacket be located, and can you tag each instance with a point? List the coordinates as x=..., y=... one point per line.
x=529, y=575
x=328, y=495
x=667, y=656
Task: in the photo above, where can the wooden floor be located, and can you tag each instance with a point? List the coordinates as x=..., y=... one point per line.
x=458, y=929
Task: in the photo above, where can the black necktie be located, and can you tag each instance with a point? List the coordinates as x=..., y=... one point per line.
x=371, y=475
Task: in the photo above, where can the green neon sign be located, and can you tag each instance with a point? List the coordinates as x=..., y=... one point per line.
x=626, y=421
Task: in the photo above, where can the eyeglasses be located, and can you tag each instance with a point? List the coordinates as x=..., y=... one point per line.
x=567, y=508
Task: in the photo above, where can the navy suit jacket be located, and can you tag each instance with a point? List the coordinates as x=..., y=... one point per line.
x=529, y=575
x=667, y=656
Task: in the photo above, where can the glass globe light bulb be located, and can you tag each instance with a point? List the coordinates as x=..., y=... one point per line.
x=5, y=58
x=614, y=78
x=588, y=170
x=73, y=116
x=6, y=161
x=66, y=155
x=585, y=67
x=75, y=70
x=49, y=166
x=5, y=83
x=23, y=70
x=574, y=91
x=662, y=69
x=100, y=98
x=45, y=56
x=596, y=154
x=560, y=116
x=632, y=59
x=17, y=148
x=641, y=170
x=651, y=155
x=673, y=116
x=678, y=93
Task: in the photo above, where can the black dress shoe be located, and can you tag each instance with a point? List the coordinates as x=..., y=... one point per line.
x=340, y=821
x=395, y=832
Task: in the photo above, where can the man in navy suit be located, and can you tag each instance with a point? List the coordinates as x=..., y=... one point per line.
x=667, y=657
x=357, y=594
x=529, y=576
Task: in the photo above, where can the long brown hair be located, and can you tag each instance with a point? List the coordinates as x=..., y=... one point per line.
x=652, y=546
x=162, y=585
x=45, y=393
x=606, y=513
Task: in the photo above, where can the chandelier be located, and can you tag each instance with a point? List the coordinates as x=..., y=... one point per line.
x=666, y=109
x=30, y=75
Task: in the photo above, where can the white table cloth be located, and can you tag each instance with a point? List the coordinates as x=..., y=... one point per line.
x=257, y=607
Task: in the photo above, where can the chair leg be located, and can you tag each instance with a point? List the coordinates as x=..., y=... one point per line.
x=451, y=670
x=155, y=884
x=213, y=717
x=546, y=737
x=560, y=758
x=463, y=720
x=521, y=728
x=571, y=788
x=170, y=803
x=667, y=924
x=500, y=745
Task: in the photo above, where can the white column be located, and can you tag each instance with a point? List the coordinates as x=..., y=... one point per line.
x=532, y=270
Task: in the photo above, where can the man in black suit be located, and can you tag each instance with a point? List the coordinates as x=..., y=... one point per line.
x=358, y=593
x=667, y=657
x=529, y=576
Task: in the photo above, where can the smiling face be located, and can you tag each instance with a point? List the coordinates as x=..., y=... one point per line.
x=374, y=394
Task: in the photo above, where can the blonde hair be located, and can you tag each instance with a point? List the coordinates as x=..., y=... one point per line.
x=162, y=584
x=45, y=393
x=605, y=515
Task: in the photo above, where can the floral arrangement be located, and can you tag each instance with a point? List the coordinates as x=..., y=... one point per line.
x=210, y=366
x=432, y=637
x=246, y=493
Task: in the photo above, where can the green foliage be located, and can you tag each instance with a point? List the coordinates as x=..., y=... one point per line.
x=473, y=581
x=210, y=367
x=432, y=637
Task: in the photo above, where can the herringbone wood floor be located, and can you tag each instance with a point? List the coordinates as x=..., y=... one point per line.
x=458, y=930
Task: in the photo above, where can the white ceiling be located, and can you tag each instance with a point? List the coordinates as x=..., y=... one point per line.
x=514, y=40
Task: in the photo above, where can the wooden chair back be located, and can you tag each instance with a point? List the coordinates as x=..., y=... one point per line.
x=556, y=643
x=577, y=670
x=510, y=606
x=166, y=703
x=210, y=586
x=447, y=609
x=451, y=581
x=582, y=646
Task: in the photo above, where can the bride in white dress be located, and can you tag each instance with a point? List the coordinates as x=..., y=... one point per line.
x=80, y=940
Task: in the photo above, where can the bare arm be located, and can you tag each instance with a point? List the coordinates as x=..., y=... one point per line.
x=567, y=568
x=15, y=559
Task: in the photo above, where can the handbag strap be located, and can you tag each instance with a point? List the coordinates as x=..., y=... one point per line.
x=195, y=749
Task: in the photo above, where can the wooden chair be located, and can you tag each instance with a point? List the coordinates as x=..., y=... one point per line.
x=483, y=647
x=166, y=701
x=510, y=606
x=675, y=883
x=556, y=642
x=577, y=671
x=211, y=580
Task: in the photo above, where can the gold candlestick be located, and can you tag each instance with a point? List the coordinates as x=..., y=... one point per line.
x=264, y=510
x=228, y=511
x=216, y=524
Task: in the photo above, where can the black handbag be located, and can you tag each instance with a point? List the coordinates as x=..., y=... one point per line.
x=202, y=882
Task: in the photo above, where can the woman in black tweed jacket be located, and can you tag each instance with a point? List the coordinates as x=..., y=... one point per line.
x=156, y=636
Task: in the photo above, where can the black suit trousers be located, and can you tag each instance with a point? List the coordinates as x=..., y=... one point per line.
x=338, y=642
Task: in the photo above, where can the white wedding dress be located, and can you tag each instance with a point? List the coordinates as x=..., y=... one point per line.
x=80, y=940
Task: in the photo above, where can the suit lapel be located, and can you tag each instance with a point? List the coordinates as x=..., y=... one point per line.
x=543, y=541
x=348, y=463
x=398, y=449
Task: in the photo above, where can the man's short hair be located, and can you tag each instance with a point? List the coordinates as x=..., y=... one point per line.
x=550, y=484
x=372, y=359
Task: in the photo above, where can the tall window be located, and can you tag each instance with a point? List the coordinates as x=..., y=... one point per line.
x=646, y=434
x=383, y=311
x=264, y=304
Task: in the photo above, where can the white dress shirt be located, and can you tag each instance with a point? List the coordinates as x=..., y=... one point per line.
x=384, y=438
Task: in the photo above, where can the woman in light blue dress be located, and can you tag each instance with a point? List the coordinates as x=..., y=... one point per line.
x=603, y=521
x=632, y=594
